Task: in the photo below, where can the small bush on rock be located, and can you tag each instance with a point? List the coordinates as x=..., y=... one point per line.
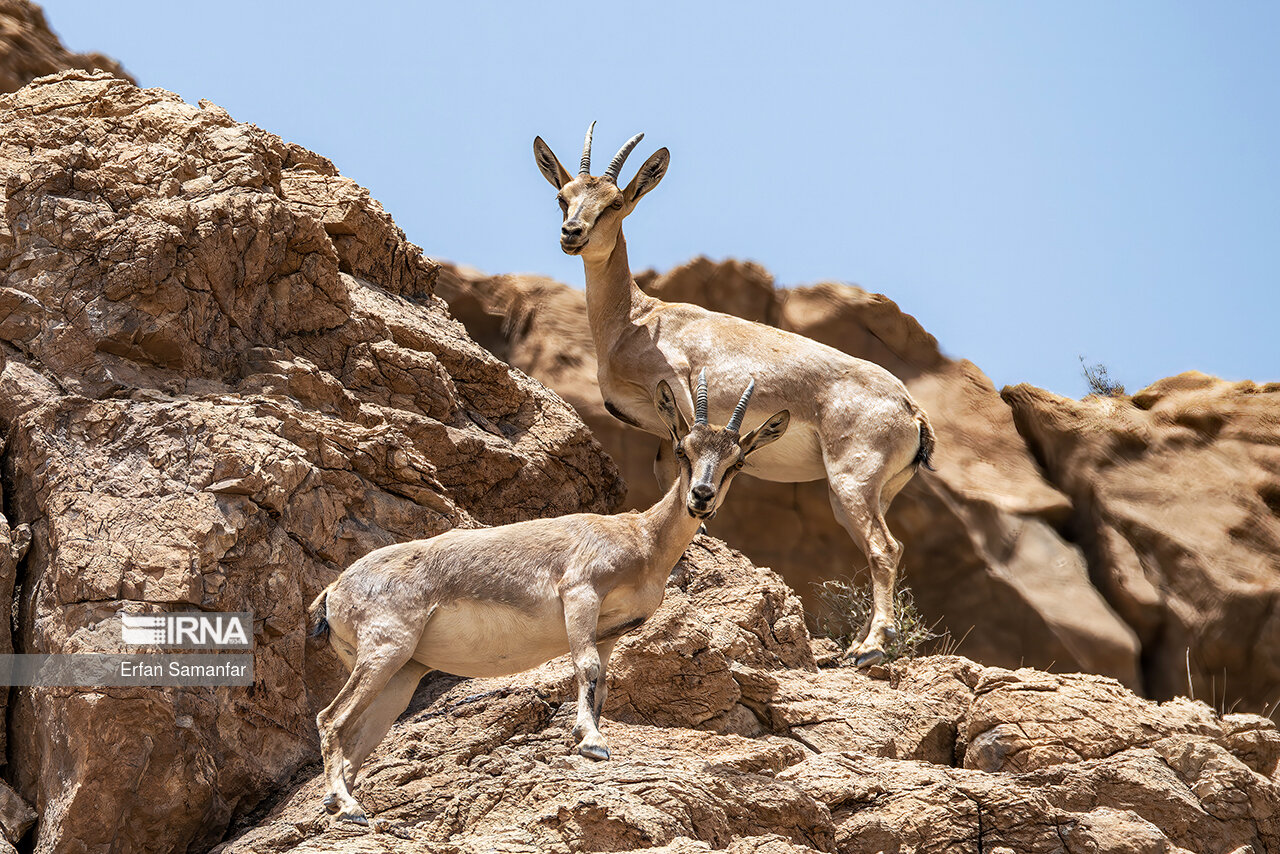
x=847, y=610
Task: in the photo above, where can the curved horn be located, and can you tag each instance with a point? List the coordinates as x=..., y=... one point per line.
x=700, y=411
x=615, y=167
x=586, y=152
x=735, y=422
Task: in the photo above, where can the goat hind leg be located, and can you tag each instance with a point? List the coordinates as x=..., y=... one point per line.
x=858, y=507
x=374, y=722
x=337, y=731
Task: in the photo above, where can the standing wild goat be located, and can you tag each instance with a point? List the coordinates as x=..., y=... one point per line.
x=496, y=601
x=852, y=422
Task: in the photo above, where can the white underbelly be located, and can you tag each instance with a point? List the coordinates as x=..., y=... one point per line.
x=475, y=638
x=795, y=457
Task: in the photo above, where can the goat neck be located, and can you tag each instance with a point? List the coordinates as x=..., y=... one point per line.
x=671, y=528
x=614, y=302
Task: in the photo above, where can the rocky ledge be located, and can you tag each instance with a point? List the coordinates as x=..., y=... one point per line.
x=727, y=736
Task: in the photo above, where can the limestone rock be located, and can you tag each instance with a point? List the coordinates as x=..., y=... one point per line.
x=982, y=550
x=1176, y=495
x=29, y=49
x=837, y=761
x=224, y=377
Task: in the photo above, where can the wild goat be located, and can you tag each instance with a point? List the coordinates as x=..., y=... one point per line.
x=852, y=422
x=496, y=601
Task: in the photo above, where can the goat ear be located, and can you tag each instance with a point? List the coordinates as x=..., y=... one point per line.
x=671, y=415
x=549, y=164
x=767, y=433
x=648, y=176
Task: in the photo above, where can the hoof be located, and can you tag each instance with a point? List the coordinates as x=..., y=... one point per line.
x=594, y=751
x=355, y=816
x=868, y=658
x=330, y=803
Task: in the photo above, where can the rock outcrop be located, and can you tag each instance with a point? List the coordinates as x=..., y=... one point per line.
x=726, y=738
x=983, y=554
x=223, y=376
x=1176, y=501
x=29, y=49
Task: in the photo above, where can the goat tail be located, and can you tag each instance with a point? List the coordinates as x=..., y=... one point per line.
x=318, y=615
x=928, y=439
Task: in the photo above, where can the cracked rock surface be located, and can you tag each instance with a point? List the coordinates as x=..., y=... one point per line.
x=223, y=377
x=726, y=737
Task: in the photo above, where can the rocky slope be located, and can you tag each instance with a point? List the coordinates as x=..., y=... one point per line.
x=29, y=49
x=223, y=376
x=984, y=556
x=1176, y=501
x=726, y=737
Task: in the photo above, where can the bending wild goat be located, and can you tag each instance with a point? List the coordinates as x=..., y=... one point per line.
x=496, y=601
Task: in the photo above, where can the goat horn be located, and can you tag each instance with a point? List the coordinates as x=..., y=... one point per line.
x=615, y=167
x=735, y=421
x=700, y=411
x=586, y=152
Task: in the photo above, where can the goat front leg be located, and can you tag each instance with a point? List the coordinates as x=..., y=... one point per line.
x=581, y=614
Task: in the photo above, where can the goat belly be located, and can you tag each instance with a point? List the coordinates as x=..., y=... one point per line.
x=477, y=638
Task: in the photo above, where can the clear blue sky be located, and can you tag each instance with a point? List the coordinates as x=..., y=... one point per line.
x=1033, y=181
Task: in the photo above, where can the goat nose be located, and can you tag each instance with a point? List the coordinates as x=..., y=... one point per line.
x=572, y=230
x=702, y=492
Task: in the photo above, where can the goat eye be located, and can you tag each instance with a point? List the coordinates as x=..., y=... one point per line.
x=680, y=452
x=564, y=203
x=617, y=204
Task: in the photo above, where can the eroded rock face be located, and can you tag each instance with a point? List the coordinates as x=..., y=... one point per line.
x=223, y=377
x=29, y=49
x=982, y=549
x=725, y=738
x=1176, y=495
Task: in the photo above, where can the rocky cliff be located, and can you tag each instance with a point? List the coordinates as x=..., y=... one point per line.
x=1176, y=501
x=223, y=377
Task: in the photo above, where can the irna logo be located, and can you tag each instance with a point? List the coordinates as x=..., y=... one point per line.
x=188, y=630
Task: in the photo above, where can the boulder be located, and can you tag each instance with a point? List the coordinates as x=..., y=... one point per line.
x=223, y=377
x=1176, y=502
x=984, y=557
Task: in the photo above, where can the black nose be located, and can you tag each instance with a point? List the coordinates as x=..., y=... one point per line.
x=572, y=230
x=702, y=492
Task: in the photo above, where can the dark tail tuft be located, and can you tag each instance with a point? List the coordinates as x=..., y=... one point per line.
x=924, y=456
x=317, y=616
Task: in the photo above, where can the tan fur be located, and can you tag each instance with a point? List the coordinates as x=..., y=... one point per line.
x=495, y=601
x=852, y=422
